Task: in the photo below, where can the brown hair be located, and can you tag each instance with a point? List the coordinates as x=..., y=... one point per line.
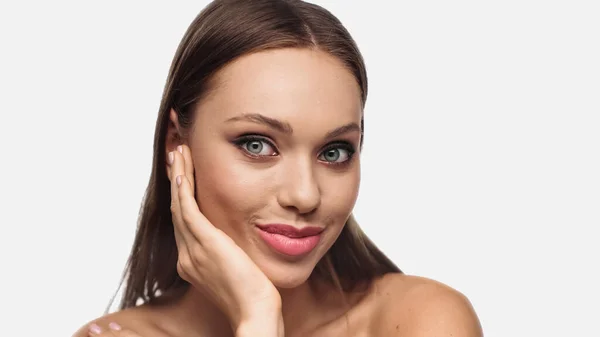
x=222, y=32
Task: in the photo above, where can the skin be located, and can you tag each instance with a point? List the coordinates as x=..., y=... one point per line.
x=295, y=187
x=292, y=181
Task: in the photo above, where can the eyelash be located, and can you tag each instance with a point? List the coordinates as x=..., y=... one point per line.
x=241, y=141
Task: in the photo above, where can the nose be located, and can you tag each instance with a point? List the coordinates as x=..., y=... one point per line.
x=299, y=188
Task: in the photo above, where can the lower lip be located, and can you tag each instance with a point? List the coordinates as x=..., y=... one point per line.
x=290, y=246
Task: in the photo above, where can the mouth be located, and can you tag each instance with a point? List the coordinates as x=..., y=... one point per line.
x=289, y=240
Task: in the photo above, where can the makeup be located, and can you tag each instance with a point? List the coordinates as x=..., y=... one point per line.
x=289, y=240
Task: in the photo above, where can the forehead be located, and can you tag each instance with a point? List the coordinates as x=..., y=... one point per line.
x=290, y=84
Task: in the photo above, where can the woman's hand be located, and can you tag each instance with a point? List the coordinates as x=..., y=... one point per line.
x=113, y=330
x=212, y=262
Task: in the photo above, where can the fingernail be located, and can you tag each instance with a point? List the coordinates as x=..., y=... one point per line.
x=95, y=329
x=180, y=149
x=178, y=179
x=114, y=326
x=171, y=157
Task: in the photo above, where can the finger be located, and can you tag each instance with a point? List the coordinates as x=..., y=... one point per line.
x=127, y=333
x=96, y=331
x=188, y=165
x=114, y=330
x=183, y=237
x=197, y=224
x=176, y=170
x=118, y=331
x=104, y=333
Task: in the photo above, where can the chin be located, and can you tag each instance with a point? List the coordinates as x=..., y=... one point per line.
x=287, y=275
x=290, y=282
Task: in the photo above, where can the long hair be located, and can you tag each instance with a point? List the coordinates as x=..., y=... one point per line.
x=222, y=32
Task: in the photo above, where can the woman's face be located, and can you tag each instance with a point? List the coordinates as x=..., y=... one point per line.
x=276, y=143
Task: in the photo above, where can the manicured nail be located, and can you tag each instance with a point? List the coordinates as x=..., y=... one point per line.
x=171, y=157
x=178, y=179
x=180, y=149
x=95, y=329
x=114, y=326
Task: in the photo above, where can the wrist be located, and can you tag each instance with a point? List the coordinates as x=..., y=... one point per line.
x=267, y=323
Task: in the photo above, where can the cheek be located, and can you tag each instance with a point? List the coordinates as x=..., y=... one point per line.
x=229, y=193
x=342, y=194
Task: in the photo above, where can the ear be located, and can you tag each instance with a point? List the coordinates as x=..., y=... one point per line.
x=173, y=138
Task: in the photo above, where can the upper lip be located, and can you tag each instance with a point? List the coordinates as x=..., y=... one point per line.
x=290, y=231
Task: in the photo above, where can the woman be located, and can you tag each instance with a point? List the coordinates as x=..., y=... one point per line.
x=246, y=227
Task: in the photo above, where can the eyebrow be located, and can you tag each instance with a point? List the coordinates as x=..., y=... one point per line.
x=342, y=130
x=280, y=126
x=285, y=127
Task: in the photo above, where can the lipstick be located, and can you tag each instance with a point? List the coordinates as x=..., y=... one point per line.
x=289, y=240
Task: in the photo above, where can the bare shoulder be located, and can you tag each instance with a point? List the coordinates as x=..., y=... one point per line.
x=139, y=319
x=419, y=307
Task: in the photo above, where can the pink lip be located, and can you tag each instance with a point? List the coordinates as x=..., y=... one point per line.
x=289, y=240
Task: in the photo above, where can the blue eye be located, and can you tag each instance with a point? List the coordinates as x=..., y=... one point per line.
x=260, y=147
x=337, y=155
x=256, y=146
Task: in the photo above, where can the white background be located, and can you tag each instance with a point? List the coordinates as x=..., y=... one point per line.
x=481, y=158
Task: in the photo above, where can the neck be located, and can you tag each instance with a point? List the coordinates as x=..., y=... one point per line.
x=304, y=308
